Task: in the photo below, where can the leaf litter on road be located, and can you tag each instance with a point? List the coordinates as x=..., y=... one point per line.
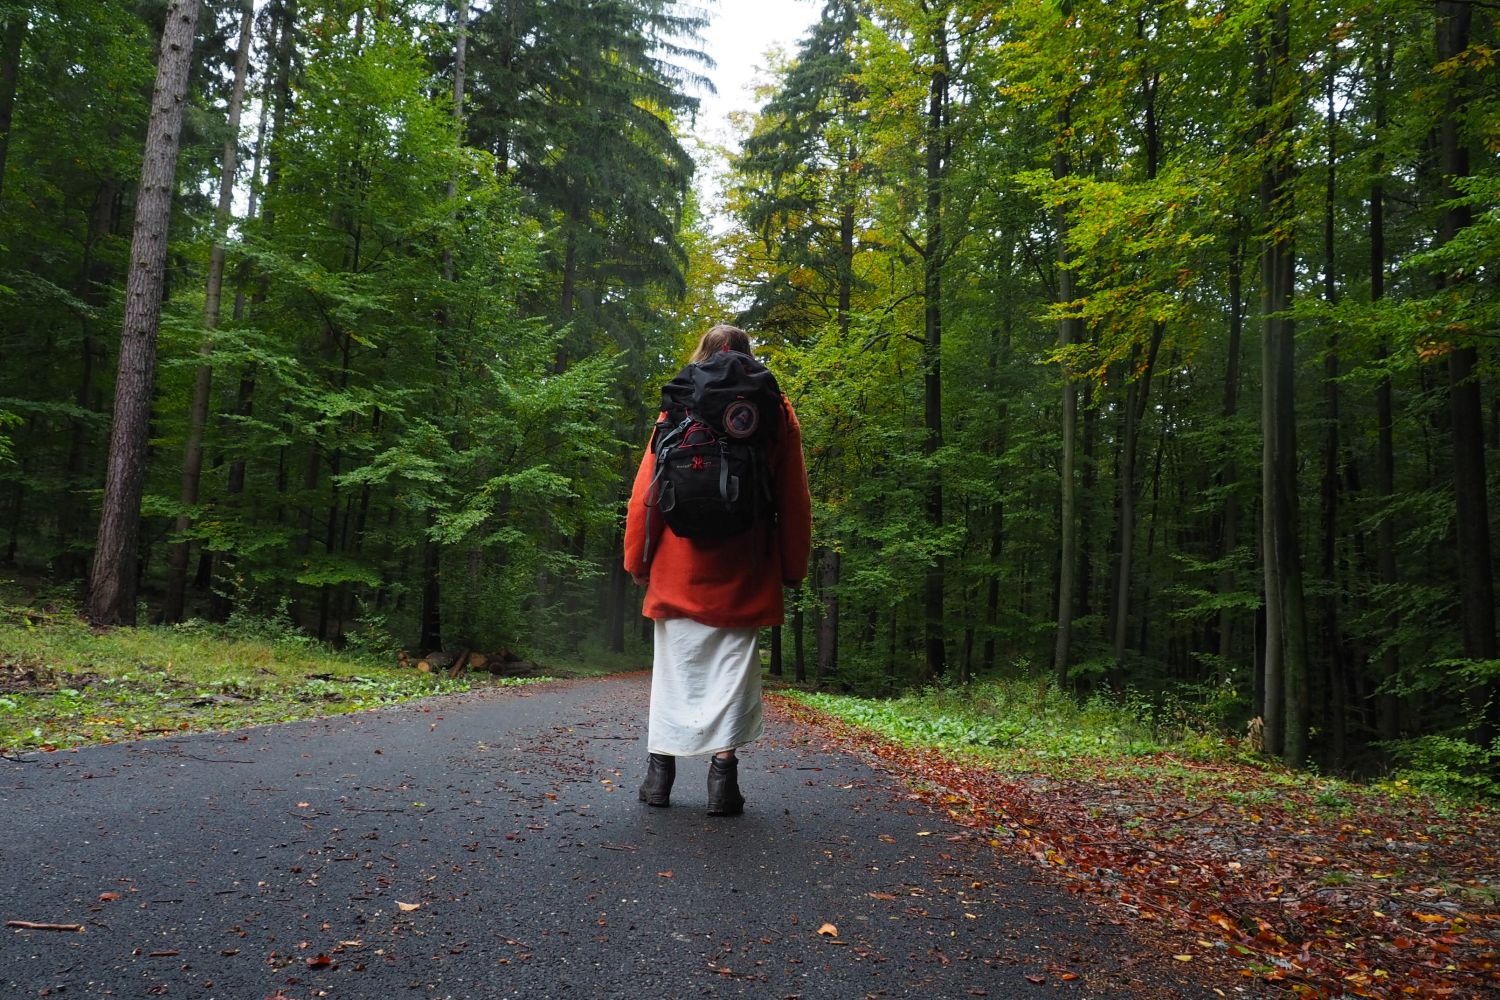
x=1366, y=895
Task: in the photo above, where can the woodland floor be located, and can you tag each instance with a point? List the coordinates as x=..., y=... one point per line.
x=1299, y=889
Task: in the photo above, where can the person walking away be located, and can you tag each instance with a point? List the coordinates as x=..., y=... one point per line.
x=719, y=523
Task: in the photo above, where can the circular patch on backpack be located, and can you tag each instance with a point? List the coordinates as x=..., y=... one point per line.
x=741, y=418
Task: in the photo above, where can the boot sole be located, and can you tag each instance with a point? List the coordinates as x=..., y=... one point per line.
x=659, y=803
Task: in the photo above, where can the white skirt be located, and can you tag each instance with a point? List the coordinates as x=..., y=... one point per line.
x=705, y=688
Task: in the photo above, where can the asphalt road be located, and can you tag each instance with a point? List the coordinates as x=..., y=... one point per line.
x=491, y=845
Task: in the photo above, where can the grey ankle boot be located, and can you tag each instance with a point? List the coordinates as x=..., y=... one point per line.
x=661, y=769
x=724, y=798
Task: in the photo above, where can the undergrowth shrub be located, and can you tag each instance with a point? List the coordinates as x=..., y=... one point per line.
x=1449, y=766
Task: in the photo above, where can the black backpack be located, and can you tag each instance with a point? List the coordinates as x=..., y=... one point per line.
x=712, y=475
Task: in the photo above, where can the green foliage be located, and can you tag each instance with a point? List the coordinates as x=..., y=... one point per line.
x=87, y=686
x=1449, y=766
x=1024, y=723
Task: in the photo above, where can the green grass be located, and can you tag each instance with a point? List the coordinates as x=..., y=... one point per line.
x=1023, y=725
x=62, y=684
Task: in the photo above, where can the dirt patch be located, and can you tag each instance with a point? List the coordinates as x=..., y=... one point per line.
x=28, y=675
x=23, y=675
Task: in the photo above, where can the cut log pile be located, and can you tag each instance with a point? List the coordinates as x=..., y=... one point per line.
x=503, y=662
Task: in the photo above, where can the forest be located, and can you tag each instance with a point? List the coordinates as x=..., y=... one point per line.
x=1141, y=348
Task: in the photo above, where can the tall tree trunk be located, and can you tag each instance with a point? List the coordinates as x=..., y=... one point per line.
x=1229, y=474
x=1476, y=584
x=829, y=563
x=112, y=582
x=1282, y=552
x=192, y=452
x=828, y=621
x=1069, y=333
x=799, y=659
x=997, y=511
x=12, y=36
x=1388, y=713
x=274, y=107
x=932, y=343
x=1136, y=397
x=1330, y=487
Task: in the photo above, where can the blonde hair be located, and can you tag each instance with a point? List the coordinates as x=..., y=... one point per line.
x=722, y=337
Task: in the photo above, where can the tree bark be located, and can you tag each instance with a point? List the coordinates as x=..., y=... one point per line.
x=112, y=581
x=1476, y=584
x=799, y=660
x=1330, y=487
x=828, y=621
x=1069, y=332
x=1229, y=475
x=1388, y=713
x=932, y=343
x=192, y=452
x=1283, y=555
x=1136, y=397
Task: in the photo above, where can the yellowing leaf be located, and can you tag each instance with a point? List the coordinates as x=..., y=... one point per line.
x=829, y=930
x=408, y=907
x=1183, y=958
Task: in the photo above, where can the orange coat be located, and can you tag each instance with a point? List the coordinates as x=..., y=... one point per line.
x=726, y=582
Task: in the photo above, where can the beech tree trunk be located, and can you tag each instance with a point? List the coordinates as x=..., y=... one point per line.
x=1476, y=584
x=1388, y=715
x=1331, y=485
x=192, y=452
x=1136, y=397
x=112, y=581
x=828, y=621
x=1229, y=530
x=1069, y=332
x=932, y=343
x=1284, y=654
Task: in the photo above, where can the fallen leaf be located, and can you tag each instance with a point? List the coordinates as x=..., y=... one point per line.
x=882, y=895
x=303, y=805
x=108, y=897
x=1183, y=958
x=408, y=907
x=665, y=874
x=1038, y=979
x=319, y=961
x=829, y=930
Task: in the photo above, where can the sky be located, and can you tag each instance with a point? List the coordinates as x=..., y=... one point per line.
x=738, y=35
